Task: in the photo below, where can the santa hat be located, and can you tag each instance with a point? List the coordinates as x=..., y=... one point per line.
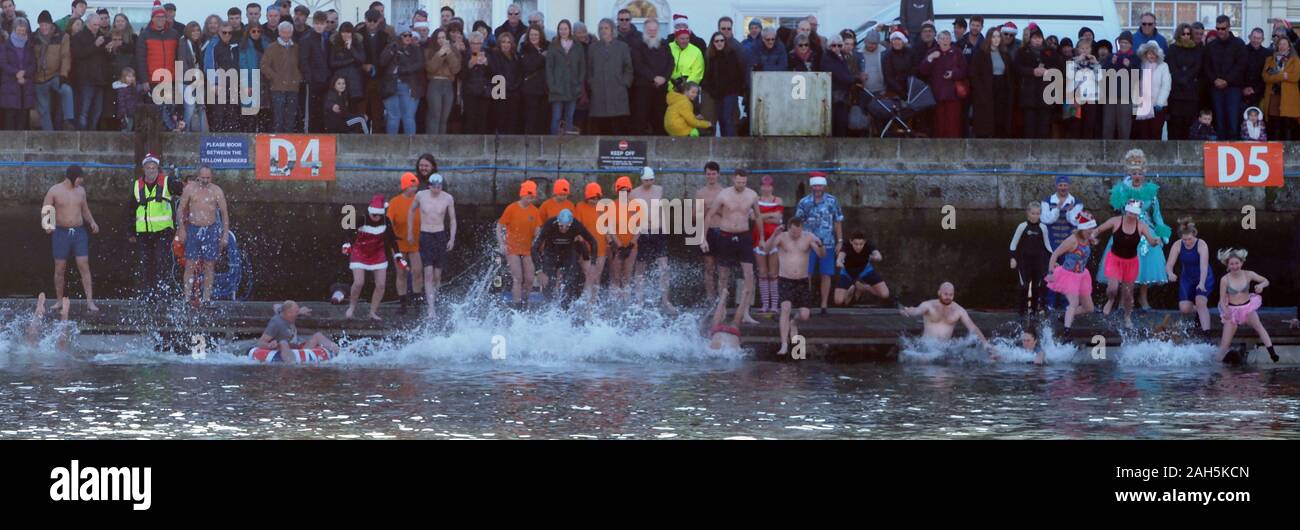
x=377, y=205
x=816, y=178
x=1085, y=221
x=898, y=35
x=150, y=157
x=157, y=9
x=1133, y=206
x=1009, y=27
x=681, y=19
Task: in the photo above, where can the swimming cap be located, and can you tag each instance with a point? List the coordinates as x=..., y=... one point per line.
x=409, y=179
x=647, y=174
x=565, y=217
x=528, y=188
x=593, y=190
x=435, y=180
x=623, y=183
x=561, y=187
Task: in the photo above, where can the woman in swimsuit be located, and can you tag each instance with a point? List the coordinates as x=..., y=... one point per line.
x=1122, y=264
x=1237, y=305
x=1197, y=280
x=772, y=214
x=1071, y=278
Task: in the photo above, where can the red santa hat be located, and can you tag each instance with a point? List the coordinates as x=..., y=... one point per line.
x=377, y=205
x=679, y=18
x=1085, y=221
x=157, y=9
x=1009, y=27
x=150, y=157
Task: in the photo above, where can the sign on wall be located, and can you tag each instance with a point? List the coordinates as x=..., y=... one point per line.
x=295, y=157
x=622, y=154
x=225, y=152
x=1243, y=164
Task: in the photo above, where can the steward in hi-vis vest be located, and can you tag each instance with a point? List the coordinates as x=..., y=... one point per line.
x=153, y=208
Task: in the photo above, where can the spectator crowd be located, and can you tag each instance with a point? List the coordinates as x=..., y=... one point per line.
x=87, y=71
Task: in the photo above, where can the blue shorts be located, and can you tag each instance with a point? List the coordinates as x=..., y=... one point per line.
x=203, y=243
x=75, y=241
x=433, y=249
x=825, y=265
x=869, y=276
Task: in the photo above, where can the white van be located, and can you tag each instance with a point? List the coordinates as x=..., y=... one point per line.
x=1055, y=18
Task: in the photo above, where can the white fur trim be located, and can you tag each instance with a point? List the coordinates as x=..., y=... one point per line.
x=371, y=229
x=356, y=265
x=817, y=181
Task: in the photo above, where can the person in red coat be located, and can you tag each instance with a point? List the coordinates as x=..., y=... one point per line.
x=944, y=67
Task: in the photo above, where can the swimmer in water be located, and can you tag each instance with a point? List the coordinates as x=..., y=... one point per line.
x=1237, y=305
x=942, y=315
x=1030, y=340
x=721, y=334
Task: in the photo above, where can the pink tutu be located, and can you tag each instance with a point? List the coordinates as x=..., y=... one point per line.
x=1067, y=282
x=1237, y=314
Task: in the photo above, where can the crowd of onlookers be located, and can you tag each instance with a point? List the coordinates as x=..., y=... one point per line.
x=86, y=71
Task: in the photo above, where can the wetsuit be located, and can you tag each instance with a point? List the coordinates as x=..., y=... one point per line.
x=561, y=250
x=1032, y=249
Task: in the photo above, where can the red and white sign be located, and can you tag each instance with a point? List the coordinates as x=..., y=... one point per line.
x=1243, y=164
x=295, y=157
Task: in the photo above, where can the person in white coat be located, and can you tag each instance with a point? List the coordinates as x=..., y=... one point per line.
x=1151, y=118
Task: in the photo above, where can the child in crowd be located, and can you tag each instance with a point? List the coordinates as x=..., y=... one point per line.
x=1252, y=126
x=128, y=98
x=1030, y=250
x=1203, y=129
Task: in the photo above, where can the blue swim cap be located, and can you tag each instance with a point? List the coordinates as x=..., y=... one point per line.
x=565, y=217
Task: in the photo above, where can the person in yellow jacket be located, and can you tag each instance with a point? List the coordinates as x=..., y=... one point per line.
x=688, y=60
x=681, y=119
x=1281, y=102
x=152, y=206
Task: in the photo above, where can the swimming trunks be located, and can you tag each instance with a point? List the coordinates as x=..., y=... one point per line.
x=725, y=328
x=711, y=237
x=75, y=241
x=735, y=248
x=795, y=291
x=203, y=242
x=651, y=247
x=433, y=248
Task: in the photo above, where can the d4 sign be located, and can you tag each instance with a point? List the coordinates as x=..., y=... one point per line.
x=1243, y=164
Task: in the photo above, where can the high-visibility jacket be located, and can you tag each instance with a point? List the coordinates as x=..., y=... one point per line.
x=688, y=62
x=153, y=211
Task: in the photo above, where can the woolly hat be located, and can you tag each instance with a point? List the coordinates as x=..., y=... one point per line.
x=158, y=10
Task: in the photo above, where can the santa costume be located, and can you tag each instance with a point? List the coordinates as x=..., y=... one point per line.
x=375, y=241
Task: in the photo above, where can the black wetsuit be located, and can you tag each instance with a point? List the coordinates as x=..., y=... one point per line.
x=1032, y=250
x=561, y=250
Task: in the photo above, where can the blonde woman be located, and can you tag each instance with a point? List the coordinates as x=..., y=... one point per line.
x=1239, y=305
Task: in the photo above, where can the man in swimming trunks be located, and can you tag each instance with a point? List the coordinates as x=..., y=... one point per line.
x=652, y=245
x=858, y=275
x=399, y=213
x=66, y=224
x=518, y=227
x=942, y=315
x=550, y=208
x=205, y=230
x=437, y=210
x=822, y=216
x=559, y=250
x=706, y=194
x=281, y=333
x=735, y=207
x=796, y=248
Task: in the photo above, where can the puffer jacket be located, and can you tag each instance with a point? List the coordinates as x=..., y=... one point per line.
x=405, y=63
x=53, y=55
x=155, y=50
x=680, y=119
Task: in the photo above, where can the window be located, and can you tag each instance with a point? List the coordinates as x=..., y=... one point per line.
x=1170, y=14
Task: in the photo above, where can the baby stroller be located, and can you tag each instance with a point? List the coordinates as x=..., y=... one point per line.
x=894, y=111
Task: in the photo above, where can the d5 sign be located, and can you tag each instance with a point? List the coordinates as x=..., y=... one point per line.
x=1243, y=164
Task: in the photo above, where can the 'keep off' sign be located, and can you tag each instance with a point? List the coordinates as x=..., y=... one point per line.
x=1243, y=164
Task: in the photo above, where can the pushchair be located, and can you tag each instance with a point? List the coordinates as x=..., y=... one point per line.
x=896, y=112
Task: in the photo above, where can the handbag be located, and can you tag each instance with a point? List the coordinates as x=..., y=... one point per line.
x=963, y=88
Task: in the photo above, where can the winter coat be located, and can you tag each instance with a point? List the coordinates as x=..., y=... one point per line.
x=647, y=63
x=951, y=60
x=1185, y=72
x=405, y=63
x=532, y=66
x=610, y=65
x=314, y=59
x=346, y=63
x=724, y=73
x=565, y=71
x=774, y=59
x=280, y=67
x=53, y=55
x=90, y=63
x=1225, y=59
x=680, y=119
x=897, y=66
x=1287, y=89
x=154, y=50
x=12, y=60
x=1031, y=87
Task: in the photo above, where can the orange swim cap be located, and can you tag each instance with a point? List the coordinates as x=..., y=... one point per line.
x=528, y=188
x=409, y=179
x=561, y=187
x=593, y=190
x=623, y=183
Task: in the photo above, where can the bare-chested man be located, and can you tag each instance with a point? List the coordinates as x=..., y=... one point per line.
x=795, y=249
x=735, y=207
x=652, y=244
x=205, y=230
x=942, y=315
x=706, y=194
x=437, y=234
x=64, y=215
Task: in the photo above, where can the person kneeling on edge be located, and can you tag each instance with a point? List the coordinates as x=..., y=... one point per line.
x=857, y=274
x=281, y=334
x=559, y=249
x=519, y=225
x=721, y=334
x=795, y=247
x=373, y=246
x=1071, y=278
x=1237, y=305
x=942, y=315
